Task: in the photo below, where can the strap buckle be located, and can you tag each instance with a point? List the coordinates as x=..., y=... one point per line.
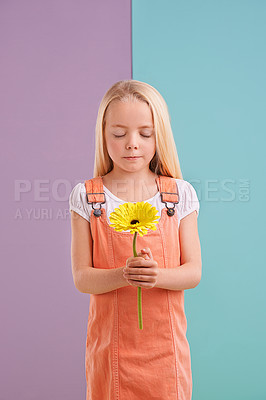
x=97, y=211
x=170, y=210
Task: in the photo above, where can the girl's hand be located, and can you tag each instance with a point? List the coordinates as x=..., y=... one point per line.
x=142, y=270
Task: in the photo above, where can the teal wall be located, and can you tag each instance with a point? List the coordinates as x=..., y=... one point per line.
x=207, y=58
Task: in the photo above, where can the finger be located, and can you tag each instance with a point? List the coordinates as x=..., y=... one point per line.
x=147, y=251
x=130, y=259
x=143, y=255
x=139, y=281
x=145, y=272
x=141, y=278
x=137, y=257
x=140, y=263
x=132, y=278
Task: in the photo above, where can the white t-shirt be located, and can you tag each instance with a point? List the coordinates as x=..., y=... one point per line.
x=188, y=201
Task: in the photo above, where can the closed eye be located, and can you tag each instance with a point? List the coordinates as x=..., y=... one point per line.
x=125, y=135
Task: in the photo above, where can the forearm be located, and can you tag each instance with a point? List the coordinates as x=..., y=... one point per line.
x=186, y=276
x=100, y=280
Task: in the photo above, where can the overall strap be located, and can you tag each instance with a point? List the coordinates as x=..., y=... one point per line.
x=95, y=193
x=169, y=192
x=166, y=185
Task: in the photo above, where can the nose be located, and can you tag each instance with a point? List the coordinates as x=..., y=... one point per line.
x=129, y=146
x=132, y=142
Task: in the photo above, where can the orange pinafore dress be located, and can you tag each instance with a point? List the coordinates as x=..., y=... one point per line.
x=124, y=362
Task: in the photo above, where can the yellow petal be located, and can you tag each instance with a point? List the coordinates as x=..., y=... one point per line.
x=144, y=213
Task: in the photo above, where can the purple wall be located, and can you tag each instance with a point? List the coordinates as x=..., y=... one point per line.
x=58, y=59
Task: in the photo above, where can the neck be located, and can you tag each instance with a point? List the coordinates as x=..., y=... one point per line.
x=136, y=178
x=131, y=186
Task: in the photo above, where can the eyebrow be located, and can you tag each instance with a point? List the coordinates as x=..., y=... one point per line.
x=124, y=126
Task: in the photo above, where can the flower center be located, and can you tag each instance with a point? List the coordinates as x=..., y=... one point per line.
x=134, y=221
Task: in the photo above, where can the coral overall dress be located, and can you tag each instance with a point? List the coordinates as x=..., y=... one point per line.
x=122, y=361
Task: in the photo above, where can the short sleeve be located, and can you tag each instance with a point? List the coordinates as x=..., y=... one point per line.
x=78, y=201
x=188, y=200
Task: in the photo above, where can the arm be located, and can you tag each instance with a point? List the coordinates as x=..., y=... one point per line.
x=86, y=278
x=188, y=274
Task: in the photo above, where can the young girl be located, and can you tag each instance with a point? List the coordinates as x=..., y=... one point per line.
x=122, y=361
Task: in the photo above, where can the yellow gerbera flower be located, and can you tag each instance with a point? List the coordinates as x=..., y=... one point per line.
x=138, y=217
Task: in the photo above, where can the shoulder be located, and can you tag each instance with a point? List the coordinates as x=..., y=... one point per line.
x=188, y=199
x=78, y=192
x=185, y=186
x=78, y=201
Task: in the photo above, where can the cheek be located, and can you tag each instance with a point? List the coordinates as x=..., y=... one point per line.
x=114, y=148
x=150, y=147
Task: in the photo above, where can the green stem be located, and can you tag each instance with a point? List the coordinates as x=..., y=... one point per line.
x=139, y=288
x=139, y=308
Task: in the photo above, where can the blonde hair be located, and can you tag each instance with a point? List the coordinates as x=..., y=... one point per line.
x=165, y=161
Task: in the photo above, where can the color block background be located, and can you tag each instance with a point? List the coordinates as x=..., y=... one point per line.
x=57, y=60
x=208, y=60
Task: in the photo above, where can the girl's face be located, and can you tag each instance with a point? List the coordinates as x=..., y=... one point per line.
x=129, y=131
